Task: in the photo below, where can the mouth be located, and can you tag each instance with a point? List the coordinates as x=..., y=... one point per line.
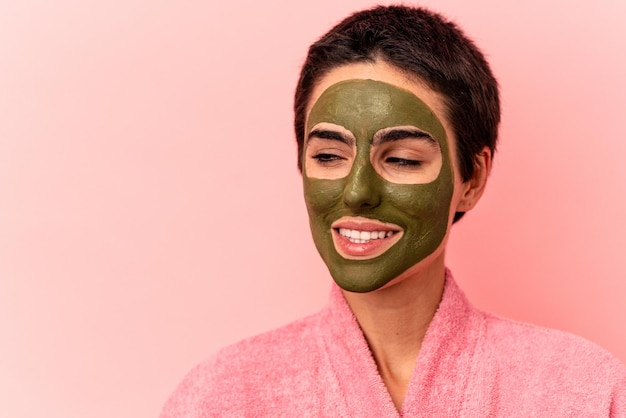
x=363, y=239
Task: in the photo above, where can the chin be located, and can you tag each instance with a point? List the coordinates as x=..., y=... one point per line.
x=360, y=278
x=359, y=286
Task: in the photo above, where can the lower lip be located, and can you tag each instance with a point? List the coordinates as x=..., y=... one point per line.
x=364, y=251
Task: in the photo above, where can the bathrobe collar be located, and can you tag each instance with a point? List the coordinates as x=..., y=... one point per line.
x=441, y=372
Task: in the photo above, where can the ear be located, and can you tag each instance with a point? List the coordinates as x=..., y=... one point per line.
x=474, y=187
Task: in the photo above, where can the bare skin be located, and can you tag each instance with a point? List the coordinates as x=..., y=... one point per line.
x=394, y=321
x=394, y=318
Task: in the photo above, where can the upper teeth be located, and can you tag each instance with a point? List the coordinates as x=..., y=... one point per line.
x=360, y=237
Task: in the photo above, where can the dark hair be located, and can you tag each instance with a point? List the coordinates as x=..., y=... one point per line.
x=423, y=44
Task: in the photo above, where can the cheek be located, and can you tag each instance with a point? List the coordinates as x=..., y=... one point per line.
x=322, y=196
x=419, y=201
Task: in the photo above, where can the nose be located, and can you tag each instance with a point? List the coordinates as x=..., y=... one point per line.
x=361, y=189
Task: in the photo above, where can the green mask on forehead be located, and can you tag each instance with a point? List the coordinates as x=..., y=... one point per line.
x=364, y=107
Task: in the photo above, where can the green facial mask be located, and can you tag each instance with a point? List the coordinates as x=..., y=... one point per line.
x=364, y=107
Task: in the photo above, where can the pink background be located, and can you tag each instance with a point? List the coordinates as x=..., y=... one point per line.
x=151, y=211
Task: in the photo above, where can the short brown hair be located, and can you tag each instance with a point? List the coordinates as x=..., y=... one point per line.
x=423, y=44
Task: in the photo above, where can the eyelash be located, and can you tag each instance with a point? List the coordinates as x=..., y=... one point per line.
x=325, y=158
x=403, y=162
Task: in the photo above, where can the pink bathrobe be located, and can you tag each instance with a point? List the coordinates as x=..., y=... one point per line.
x=471, y=364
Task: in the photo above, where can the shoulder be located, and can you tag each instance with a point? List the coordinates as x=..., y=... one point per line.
x=285, y=347
x=512, y=341
x=257, y=367
x=545, y=364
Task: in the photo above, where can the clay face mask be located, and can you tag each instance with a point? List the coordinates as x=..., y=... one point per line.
x=378, y=181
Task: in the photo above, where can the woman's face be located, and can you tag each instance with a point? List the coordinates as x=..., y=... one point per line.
x=378, y=174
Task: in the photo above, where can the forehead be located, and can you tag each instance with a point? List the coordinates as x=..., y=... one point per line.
x=365, y=106
x=381, y=71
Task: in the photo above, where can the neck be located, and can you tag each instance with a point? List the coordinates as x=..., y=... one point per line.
x=394, y=320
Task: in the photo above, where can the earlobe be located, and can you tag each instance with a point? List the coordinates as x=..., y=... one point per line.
x=475, y=186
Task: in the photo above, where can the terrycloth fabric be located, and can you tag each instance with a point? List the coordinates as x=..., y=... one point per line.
x=471, y=364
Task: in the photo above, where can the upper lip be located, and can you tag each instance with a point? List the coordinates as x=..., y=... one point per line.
x=364, y=224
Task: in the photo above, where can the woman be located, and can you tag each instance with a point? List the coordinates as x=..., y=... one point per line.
x=396, y=117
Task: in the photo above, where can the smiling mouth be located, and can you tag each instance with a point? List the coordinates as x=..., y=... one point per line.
x=362, y=237
x=358, y=238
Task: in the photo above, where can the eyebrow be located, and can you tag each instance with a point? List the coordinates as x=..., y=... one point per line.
x=333, y=135
x=396, y=134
